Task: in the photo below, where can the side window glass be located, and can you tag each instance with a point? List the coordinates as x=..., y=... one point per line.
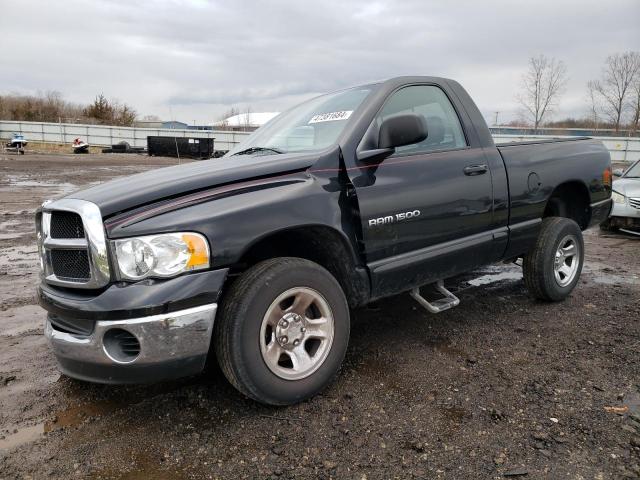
x=429, y=101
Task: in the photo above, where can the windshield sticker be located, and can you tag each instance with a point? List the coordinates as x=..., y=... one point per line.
x=331, y=117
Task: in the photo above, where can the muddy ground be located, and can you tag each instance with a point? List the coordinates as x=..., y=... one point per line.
x=501, y=386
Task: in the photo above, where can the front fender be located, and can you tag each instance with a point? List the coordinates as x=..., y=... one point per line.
x=235, y=219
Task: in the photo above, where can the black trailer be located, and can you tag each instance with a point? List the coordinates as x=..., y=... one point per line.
x=187, y=147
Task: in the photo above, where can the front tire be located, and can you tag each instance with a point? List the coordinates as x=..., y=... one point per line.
x=282, y=331
x=552, y=268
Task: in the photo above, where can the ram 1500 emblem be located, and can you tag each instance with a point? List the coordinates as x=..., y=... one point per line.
x=398, y=217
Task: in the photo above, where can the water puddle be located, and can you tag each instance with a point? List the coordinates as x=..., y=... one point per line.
x=74, y=416
x=603, y=274
x=489, y=275
x=71, y=417
x=598, y=272
x=607, y=279
x=10, y=223
x=19, y=320
x=22, y=181
x=498, y=276
x=12, y=236
x=20, y=436
x=632, y=402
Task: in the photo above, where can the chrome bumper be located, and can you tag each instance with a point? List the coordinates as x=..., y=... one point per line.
x=170, y=345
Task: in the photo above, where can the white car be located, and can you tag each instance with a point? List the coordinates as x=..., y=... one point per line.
x=625, y=213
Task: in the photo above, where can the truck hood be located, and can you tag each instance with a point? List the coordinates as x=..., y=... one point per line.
x=629, y=187
x=148, y=187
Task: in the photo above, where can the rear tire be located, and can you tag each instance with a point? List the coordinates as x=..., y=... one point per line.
x=552, y=268
x=265, y=327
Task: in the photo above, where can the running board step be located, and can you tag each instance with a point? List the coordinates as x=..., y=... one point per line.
x=440, y=305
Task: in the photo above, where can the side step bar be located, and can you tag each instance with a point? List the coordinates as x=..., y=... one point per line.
x=440, y=305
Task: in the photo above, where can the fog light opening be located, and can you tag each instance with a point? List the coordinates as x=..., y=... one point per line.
x=121, y=346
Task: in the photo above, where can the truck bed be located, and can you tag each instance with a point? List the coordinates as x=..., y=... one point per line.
x=541, y=141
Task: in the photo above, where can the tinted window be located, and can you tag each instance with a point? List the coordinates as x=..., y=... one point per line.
x=443, y=125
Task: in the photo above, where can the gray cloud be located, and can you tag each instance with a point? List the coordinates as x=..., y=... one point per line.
x=195, y=59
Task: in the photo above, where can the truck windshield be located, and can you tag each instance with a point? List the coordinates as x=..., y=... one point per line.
x=313, y=125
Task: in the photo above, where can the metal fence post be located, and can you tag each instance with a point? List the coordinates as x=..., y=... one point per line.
x=626, y=149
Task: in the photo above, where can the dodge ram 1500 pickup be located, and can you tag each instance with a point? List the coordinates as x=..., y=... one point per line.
x=257, y=259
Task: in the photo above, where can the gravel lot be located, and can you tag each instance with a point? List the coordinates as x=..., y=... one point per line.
x=500, y=386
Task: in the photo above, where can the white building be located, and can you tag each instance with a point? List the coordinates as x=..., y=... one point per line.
x=245, y=121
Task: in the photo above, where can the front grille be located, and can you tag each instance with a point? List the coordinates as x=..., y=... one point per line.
x=66, y=225
x=72, y=244
x=74, y=326
x=635, y=203
x=71, y=265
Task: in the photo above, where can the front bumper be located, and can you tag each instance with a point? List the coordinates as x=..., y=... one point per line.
x=171, y=345
x=625, y=210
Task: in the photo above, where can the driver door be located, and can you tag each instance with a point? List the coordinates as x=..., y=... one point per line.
x=426, y=210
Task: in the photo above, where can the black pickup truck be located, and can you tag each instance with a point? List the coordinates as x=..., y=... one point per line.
x=258, y=258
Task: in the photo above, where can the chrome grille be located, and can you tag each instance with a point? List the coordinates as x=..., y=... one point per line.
x=72, y=244
x=66, y=225
x=71, y=265
x=635, y=203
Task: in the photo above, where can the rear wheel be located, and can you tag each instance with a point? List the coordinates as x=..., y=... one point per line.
x=552, y=268
x=283, y=331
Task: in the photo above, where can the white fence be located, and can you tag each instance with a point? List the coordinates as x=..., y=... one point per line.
x=622, y=149
x=101, y=135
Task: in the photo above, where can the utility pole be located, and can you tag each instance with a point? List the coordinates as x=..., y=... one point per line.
x=496, y=120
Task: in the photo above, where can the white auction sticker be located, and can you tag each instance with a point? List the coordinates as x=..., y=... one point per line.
x=331, y=117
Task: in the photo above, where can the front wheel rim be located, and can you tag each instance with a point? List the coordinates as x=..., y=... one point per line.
x=297, y=333
x=566, y=261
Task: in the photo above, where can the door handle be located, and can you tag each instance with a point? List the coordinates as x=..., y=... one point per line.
x=472, y=170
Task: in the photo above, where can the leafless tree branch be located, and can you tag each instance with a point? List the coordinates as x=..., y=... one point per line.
x=542, y=86
x=618, y=76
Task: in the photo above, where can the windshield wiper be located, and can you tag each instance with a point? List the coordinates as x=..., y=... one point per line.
x=251, y=150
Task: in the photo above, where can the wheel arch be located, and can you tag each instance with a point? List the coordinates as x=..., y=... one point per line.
x=318, y=243
x=570, y=199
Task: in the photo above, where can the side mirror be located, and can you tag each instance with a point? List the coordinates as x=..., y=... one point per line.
x=401, y=130
x=618, y=172
x=396, y=131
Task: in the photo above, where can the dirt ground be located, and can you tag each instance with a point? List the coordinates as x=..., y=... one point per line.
x=501, y=386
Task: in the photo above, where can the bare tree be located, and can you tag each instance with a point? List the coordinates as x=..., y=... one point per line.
x=594, y=104
x=618, y=76
x=635, y=106
x=542, y=86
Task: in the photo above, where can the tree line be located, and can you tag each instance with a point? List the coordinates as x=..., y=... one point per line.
x=51, y=107
x=613, y=98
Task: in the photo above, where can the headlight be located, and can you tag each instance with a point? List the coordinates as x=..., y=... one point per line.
x=164, y=255
x=618, y=197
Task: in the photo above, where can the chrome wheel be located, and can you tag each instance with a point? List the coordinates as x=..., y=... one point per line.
x=567, y=260
x=296, y=333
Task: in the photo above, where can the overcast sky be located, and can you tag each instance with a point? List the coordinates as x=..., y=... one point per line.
x=191, y=60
